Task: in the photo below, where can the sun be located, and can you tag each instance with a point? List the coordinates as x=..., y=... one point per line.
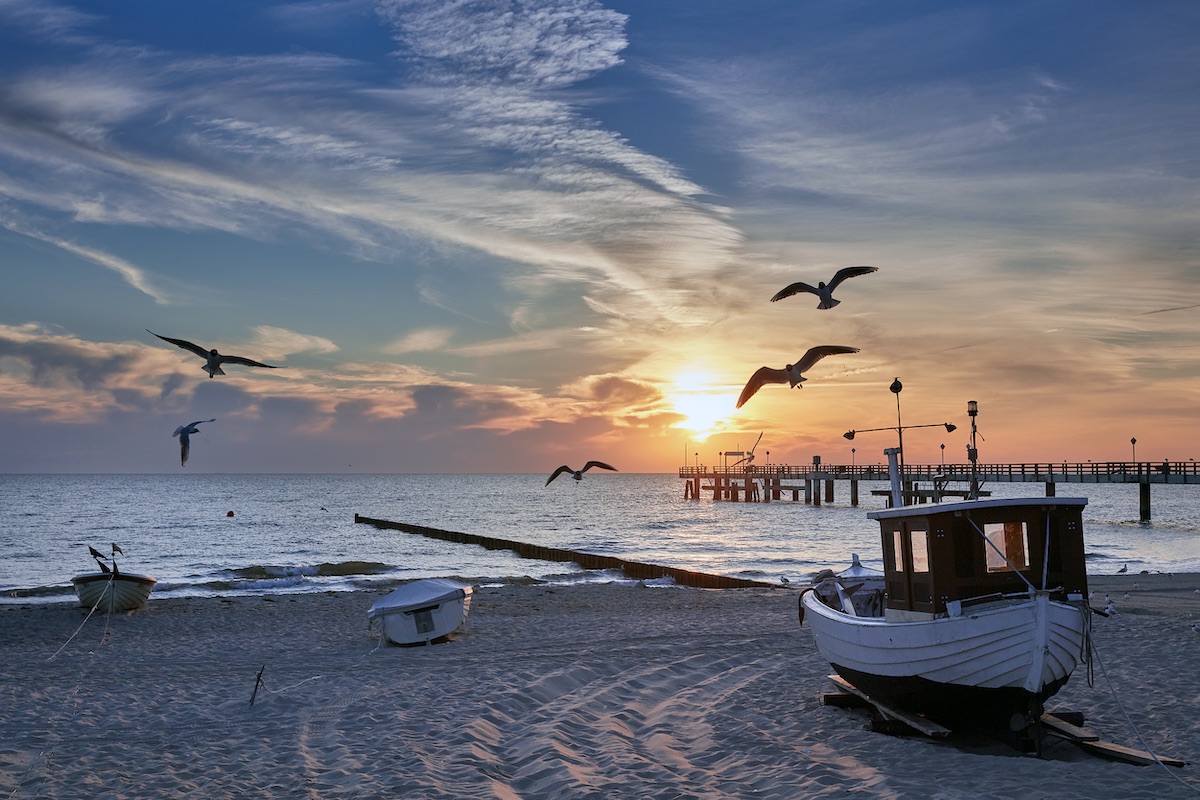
x=702, y=401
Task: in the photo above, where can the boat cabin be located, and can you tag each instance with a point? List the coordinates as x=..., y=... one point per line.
x=939, y=559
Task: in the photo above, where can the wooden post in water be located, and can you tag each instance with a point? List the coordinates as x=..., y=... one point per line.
x=1144, y=500
x=854, y=493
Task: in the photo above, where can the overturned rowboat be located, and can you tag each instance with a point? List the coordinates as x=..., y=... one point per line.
x=422, y=612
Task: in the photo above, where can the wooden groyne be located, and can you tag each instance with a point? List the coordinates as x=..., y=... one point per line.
x=634, y=569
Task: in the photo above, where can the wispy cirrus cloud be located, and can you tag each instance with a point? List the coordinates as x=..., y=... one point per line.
x=135, y=276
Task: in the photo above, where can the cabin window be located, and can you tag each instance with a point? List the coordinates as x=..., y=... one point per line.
x=1010, y=539
x=920, y=550
x=918, y=547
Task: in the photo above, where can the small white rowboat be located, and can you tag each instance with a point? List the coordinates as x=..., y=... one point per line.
x=422, y=612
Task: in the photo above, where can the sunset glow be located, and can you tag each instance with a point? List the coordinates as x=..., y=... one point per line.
x=705, y=405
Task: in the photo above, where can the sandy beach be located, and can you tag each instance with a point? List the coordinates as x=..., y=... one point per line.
x=547, y=692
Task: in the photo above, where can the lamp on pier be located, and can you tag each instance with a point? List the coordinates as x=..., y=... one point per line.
x=972, y=451
x=895, y=388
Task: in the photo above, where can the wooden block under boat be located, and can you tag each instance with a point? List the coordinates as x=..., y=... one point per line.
x=843, y=700
x=1067, y=729
x=925, y=726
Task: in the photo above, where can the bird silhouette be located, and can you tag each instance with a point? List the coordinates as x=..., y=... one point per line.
x=1123, y=569
x=212, y=359
x=824, y=290
x=748, y=459
x=792, y=373
x=577, y=474
x=185, y=443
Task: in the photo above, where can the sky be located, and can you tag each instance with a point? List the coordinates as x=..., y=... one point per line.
x=486, y=236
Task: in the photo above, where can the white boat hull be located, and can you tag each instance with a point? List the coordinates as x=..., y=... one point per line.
x=106, y=591
x=422, y=612
x=1005, y=658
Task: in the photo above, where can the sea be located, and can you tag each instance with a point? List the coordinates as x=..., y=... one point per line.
x=216, y=535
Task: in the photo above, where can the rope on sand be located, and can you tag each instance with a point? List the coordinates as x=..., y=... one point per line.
x=1141, y=739
x=104, y=633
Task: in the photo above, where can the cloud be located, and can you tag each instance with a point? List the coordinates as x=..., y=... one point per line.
x=539, y=44
x=419, y=341
x=134, y=276
x=279, y=342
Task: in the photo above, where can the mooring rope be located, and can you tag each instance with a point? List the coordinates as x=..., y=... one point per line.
x=1113, y=691
x=104, y=633
x=46, y=751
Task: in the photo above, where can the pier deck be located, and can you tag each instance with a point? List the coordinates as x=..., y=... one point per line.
x=770, y=482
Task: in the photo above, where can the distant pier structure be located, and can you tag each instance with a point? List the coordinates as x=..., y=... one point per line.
x=921, y=482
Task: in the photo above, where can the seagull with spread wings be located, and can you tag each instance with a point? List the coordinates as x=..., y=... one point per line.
x=792, y=373
x=212, y=359
x=577, y=474
x=185, y=443
x=824, y=290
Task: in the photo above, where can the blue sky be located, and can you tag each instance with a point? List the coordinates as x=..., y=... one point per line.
x=487, y=236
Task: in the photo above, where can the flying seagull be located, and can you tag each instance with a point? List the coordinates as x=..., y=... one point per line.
x=748, y=459
x=185, y=444
x=792, y=373
x=212, y=359
x=824, y=290
x=577, y=474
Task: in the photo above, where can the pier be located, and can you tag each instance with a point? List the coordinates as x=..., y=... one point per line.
x=815, y=482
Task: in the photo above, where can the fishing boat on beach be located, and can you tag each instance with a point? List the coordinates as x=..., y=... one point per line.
x=110, y=589
x=422, y=612
x=979, y=617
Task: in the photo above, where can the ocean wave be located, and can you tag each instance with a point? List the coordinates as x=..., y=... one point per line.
x=339, y=569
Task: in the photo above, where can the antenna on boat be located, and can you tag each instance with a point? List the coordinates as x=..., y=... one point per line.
x=972, y=450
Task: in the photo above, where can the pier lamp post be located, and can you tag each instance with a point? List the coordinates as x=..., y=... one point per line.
x=972, y=451
x=943, y=446
x=852, y=452
x=1133, y=444
x=895, y=389
x=900, y=428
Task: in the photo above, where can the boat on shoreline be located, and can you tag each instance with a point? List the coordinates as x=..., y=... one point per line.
x=422, y=612
x=979, y=617
x=110, y=589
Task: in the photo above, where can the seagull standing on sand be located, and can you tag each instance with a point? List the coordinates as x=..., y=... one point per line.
x=577, y=474
x=185, y=443
x=824, y=290
x=212, y=359
x=792, y=373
